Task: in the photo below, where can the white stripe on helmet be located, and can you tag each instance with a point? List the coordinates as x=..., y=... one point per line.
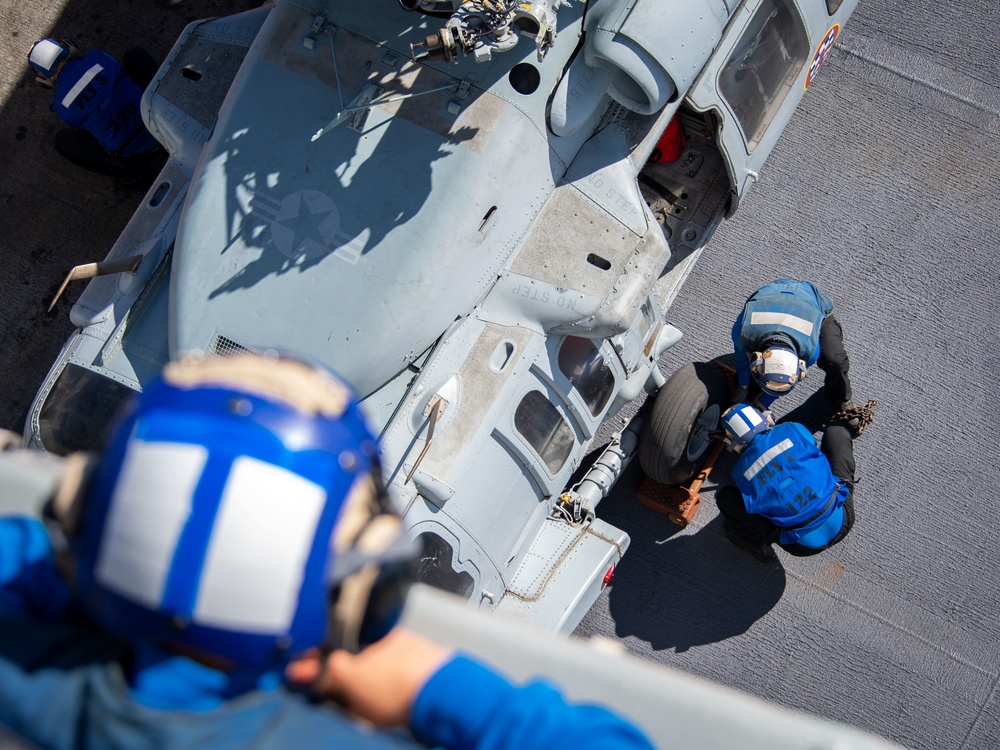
x=45, y=53
x=142, y=528
x=257, y=555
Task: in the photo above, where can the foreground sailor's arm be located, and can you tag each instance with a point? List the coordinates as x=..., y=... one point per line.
x=457, y=703
x=30, y=584
x=464, y=705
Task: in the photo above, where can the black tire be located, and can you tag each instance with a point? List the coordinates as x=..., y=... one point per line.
x=680, y=403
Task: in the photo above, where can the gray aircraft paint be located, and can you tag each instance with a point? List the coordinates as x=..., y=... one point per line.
x=439, y=246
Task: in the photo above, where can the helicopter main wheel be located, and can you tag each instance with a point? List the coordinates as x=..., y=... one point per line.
x=676, y=436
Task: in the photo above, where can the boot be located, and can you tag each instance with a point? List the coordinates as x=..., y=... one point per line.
x=853, y=422
x=763, y=553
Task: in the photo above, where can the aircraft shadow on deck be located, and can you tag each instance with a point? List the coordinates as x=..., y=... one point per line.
x=679, y=590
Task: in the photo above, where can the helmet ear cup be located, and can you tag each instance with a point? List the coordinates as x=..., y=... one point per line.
x=367, y=602
x=348, y=605
x=64, y=513
x=367, y=605
x=68, y=504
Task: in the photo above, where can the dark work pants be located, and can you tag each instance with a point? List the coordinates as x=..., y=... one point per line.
x=838, y=447
x=140, y=66
x=81, y=148
x=833, y=359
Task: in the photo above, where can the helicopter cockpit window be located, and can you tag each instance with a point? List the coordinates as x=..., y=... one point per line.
x=435, y=566
x=763, y=66
x=583, y=365
x=541, y=424
x=78, y=410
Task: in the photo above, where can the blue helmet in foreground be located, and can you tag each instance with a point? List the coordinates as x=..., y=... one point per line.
x=238, y=511
x=742, y=423
x=47, y=55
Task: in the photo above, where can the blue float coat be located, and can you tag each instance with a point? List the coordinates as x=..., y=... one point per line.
x=94, y=93
x=785, y=478
x=795, y=309
x=62, y=686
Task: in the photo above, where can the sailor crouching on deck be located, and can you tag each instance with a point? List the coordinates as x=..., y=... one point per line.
x=787, y=490
x=99, y=100
x=205, y=581
x=786, y=327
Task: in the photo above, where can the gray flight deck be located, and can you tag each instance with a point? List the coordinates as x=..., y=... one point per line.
x=884, y=190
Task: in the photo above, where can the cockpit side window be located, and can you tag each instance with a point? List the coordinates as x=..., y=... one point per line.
x=583, y=365
x=540, y=423
x=78, y=410
x=435, y=566
x=763, y=66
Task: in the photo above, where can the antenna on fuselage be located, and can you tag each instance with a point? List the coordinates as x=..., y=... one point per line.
x=92, y=270
x=357, y=111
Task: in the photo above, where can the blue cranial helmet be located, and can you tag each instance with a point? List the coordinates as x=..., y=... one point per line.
x=46, y=55
x=742, y=423
x=237, y=497
x=777, y=369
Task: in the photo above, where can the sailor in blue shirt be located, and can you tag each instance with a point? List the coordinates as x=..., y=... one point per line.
x=228, y=561
x=99, y=100
x=786, y=327
x=787, y=490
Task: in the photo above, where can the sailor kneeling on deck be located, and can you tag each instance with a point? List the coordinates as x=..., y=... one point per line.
x=787, y=490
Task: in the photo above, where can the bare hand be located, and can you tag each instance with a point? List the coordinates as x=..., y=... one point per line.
x=379, y=684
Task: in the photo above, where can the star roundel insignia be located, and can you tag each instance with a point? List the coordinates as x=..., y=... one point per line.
x=821, y=52
x=305, y=225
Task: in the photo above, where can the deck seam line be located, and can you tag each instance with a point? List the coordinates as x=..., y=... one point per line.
x=914, y=79
x=881, y=618
x=979, y=714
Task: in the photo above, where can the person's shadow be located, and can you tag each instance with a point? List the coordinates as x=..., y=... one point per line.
x=681, y=590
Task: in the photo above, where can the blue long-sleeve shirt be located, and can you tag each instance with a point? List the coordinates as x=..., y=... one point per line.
x=62, y=685
x=792, y=310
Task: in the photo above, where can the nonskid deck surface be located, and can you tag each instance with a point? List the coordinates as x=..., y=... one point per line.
x=882, y=190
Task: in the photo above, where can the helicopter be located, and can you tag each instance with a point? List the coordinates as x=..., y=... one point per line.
x=477, y=213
